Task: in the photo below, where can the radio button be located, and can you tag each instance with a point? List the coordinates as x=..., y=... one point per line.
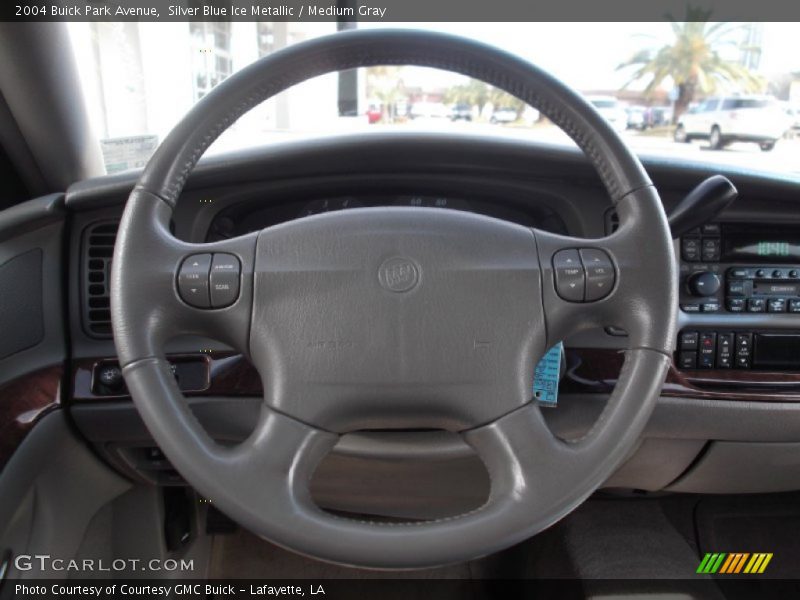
x=705, y=356
x=776, y=305
x=736, y=305
x=794, y=274
x=710, y=307
x=690, y=308
x=739, y=273
x=777, y=273
x=599, y=271
x=756, y=305
x=737, y=287
x=690, y=249
x=711, y=229
x=711, y=249
x=688, y=340
x=794, y=305
x=761, y=273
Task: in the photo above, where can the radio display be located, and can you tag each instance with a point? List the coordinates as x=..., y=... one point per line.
x=776, y=244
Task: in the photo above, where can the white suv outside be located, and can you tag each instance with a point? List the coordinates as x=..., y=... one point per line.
x=726, y=119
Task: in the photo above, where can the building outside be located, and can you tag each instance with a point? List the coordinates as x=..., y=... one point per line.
x=139, y=79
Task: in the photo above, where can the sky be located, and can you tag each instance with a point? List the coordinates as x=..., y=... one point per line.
x=585, y=55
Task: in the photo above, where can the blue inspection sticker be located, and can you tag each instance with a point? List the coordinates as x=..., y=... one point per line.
x=546, y=376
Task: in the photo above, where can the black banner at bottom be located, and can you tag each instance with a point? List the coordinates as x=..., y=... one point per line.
x=400, y=589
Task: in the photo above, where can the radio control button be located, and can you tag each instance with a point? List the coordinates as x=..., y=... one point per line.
x=690, y=308
x=794, y=274
x=761, y=273
x=690, y=249
x=225, y=273
x=710, y=307
x=711, y=229
x=688, y=340
x=705, y=355
x=756, y=305
x=738, y=273
x=711, y=249
x=736, y=305
x=794, y=305
x=776, y=305
x=687, y=360
x=703, y=283
x=599, y=271
x=777, y=273
x=737, y=287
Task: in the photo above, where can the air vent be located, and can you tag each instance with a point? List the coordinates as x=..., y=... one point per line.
x=612, y=221
x=98, y=249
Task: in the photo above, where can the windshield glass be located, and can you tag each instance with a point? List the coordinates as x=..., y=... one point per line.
x=661, y=85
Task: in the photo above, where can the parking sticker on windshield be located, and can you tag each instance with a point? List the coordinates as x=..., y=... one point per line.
x=546, y=376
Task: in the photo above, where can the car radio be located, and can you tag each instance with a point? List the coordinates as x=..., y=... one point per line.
x=737, y=268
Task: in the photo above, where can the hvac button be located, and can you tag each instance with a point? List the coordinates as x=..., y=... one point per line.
x=225, y=272
x=570, y=278
x=193, y=280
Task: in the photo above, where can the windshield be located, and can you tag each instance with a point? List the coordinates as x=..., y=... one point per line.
x=139, y=79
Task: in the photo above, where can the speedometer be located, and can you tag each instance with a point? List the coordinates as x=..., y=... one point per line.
x=323, y=205
x=433, y=202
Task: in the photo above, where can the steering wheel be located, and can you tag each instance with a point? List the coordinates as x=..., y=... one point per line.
x=394, y=318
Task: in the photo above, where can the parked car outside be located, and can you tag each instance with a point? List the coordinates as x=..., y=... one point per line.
x=638, y=117
x=461, y=112
x=727, y=119
x=504, y=116
x=611, y=109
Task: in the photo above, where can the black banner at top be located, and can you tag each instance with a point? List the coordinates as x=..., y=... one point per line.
x=400, y=10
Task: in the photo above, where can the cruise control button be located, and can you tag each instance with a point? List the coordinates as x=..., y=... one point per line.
x=570, y=278
x=225, y=272
x=599, y=273
x=193, y=280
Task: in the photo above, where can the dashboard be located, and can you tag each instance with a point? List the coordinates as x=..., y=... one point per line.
x=734, y=381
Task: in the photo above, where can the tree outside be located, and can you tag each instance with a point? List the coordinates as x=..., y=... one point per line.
x=694, y=61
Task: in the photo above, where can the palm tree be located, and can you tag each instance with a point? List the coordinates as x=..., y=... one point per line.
x=693, y=61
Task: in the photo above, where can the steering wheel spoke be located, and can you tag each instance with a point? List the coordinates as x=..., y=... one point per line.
x=175, y=288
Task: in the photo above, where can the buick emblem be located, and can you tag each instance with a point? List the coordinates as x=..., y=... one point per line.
x=398, y=274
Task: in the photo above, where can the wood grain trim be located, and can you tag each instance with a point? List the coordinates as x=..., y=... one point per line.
x=595, y=370
x=589, y=370
x=23, y=402
x=229, y=374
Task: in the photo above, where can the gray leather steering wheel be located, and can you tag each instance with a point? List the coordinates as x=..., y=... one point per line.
x=395, y=318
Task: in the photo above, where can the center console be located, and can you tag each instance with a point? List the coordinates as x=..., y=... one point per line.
x=739, y=284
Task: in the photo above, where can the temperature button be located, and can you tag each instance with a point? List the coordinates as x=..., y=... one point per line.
x=193, y=280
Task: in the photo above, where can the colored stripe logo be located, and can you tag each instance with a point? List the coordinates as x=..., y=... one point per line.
x=733, y=563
